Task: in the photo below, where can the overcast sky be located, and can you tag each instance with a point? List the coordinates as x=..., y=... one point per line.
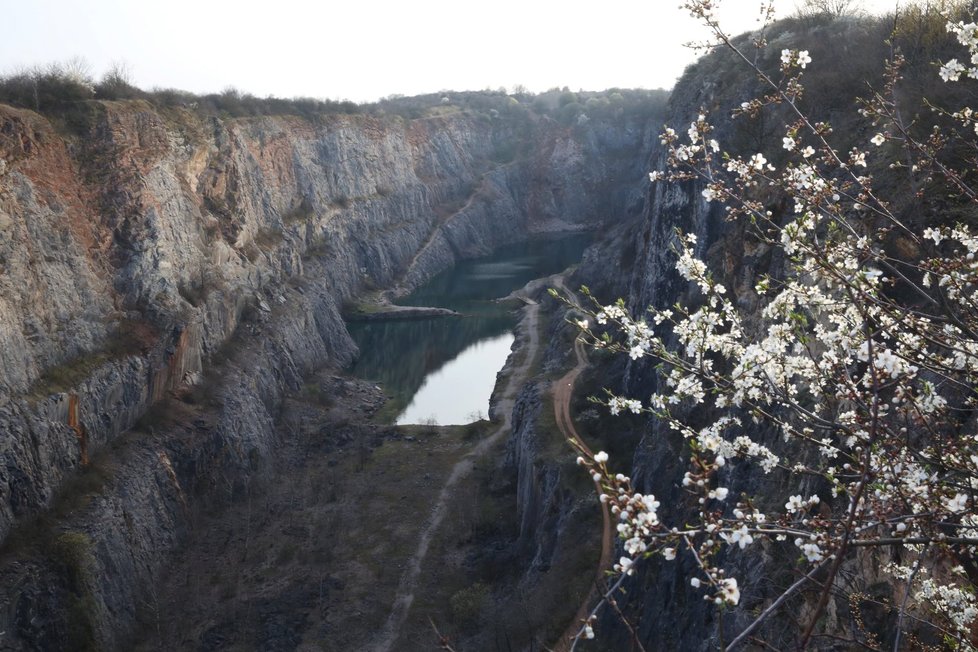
x=366, y=49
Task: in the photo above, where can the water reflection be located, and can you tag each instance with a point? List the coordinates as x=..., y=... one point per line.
x=401, y=354
x=459, y=392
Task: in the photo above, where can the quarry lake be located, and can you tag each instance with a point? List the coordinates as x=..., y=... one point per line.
x=443, y=369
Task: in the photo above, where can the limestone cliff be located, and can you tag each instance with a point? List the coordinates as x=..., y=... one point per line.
x=155, y=246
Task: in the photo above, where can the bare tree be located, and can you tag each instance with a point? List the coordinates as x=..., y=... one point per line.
x=830, y=7
x=118, y=74
x=75, y=69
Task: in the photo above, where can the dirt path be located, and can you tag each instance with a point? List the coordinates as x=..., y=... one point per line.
x=563, y=391
x=387, y=637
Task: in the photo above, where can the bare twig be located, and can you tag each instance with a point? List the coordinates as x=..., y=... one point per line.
x=906, y=598
x=790, y=591
x=443, y=642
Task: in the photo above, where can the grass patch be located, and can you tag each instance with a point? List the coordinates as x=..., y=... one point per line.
x=68, y=375
x=79, y=488
x=128, y=338
x=388, y=412
x=314, y=393
x=35, y=535
x=72, y=551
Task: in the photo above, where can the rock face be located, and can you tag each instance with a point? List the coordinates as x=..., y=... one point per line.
x=635, y=261
x=637, y=264
x=160, y=246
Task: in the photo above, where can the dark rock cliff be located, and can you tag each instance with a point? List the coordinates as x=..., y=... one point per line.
x=634, y=261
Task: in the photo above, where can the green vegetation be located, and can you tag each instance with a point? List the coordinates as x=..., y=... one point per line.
x=73, y=552
x=68, y=375
x=505, y=153
x=64, y=91
x=36, y=535
x=315, y=393
x=127, y=338
x=467, y=605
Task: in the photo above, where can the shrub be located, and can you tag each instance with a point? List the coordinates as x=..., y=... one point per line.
x=467, y=605
x=53, y=88
x=116, y=84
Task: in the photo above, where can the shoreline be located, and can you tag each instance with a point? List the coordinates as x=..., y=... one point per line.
x=369, y=311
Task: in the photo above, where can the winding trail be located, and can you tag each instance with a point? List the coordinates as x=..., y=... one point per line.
x=387, y=637
x=563, y=391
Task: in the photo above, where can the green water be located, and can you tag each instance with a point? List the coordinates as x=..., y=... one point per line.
x=444, y=368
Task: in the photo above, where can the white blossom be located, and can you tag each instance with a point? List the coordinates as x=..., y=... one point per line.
x=958, y=503
x=740, y=537
x=951, y=71
x=812, y=552
x=624, y=566
x=729, y=590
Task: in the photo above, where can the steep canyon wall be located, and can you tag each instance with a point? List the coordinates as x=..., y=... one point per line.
x=160, y=251
x=637, y=262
